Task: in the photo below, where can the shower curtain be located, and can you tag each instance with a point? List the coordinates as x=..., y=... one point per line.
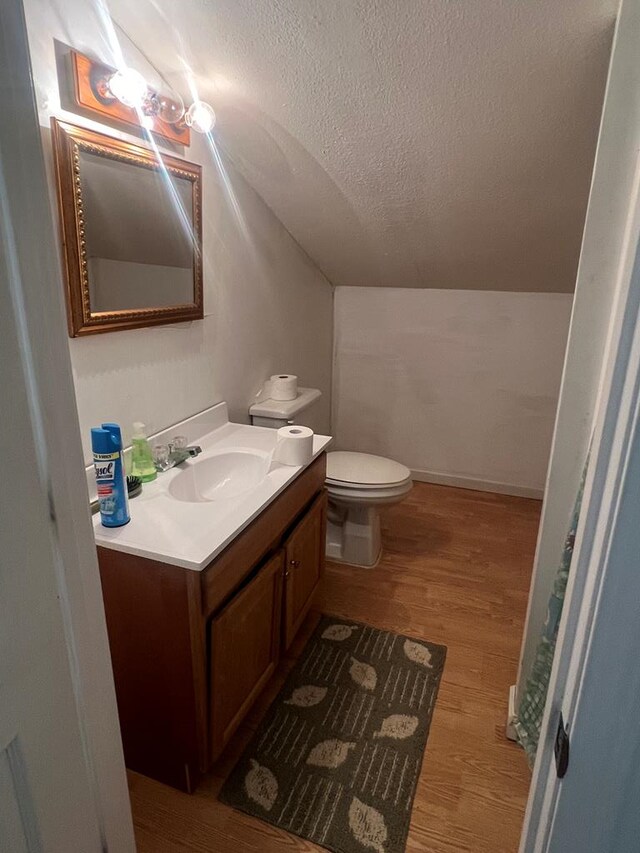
x=532, y=704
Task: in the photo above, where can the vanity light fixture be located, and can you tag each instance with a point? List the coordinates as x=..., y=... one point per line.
x=200, y=116
x=124, y=96
x=128, y=86
x=131, y=89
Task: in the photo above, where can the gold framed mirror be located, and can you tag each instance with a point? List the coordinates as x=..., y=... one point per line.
x=132, y=232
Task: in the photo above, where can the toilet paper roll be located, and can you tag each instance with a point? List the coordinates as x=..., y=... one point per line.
x=284, y=386
x=294, y=445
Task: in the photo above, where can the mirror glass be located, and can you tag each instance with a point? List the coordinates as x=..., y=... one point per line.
x=139, y=235
x=132, y=232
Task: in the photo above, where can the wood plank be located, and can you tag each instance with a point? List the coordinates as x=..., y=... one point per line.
x=456, y=569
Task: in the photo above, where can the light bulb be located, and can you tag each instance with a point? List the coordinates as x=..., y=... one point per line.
x=201, y=117
x=129, y=87
x=171, y=108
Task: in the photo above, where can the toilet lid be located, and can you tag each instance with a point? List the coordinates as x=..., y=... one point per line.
x=363, y=469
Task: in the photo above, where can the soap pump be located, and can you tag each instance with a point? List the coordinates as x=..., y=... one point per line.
x=142, y=464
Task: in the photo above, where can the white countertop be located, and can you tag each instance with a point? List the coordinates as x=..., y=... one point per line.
x=188, y=534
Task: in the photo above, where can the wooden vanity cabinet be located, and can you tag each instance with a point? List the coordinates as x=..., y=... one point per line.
x=191, y=651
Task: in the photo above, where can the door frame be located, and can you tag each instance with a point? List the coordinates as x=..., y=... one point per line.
x=34, y=269
x=616, y=427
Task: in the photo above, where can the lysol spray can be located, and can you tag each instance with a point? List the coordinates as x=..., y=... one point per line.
x=106, y=443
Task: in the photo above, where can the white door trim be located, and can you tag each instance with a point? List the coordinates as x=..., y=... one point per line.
x=616, y=424
x=37, y=297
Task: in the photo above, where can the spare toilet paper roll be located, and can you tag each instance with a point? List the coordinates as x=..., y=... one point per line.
x=284, y=386
x=294, y=445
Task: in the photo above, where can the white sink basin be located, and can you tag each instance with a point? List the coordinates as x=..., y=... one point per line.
x=220, y=476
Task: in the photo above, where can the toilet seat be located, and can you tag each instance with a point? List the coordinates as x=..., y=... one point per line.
x=365, y=472
x=358, y=493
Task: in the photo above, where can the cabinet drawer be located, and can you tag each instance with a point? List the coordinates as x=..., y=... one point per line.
x=245, y=647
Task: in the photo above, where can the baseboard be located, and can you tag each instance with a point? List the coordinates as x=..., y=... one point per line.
x=477, y=485
x=510, y=729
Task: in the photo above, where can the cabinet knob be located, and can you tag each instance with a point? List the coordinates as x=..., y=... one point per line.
x=294, y=563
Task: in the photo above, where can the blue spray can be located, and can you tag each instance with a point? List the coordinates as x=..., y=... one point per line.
x=106, y=444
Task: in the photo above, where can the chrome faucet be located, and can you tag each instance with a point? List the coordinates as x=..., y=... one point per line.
x=174, y=453
x=177, y=455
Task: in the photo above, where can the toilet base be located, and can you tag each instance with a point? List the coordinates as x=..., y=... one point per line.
x=353, y=534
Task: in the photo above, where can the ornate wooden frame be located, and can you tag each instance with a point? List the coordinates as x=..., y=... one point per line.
x=68, y=141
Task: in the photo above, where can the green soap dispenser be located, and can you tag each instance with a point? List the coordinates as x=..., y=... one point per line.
x=142, y=464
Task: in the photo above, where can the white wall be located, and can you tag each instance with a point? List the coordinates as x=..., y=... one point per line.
x=267, y=307
x=597, y=284
x=461, y=386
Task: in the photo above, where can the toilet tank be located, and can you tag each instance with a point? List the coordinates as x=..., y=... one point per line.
x=279, y=413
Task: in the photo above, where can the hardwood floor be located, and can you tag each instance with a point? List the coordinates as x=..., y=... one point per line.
x=455, y=570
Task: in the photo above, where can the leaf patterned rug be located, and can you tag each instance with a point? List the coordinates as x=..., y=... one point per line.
x=337, y=757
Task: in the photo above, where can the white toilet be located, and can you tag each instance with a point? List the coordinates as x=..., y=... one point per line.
x=358, y=484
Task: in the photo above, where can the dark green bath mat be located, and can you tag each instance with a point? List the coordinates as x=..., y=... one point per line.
x=337, y=757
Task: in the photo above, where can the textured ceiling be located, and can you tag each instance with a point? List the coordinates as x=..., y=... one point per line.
x=406, y=143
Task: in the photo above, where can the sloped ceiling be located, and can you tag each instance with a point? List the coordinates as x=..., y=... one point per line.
x=403, y=143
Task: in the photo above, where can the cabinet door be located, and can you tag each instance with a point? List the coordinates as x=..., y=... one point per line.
x=304, y=564
x=245, y=646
